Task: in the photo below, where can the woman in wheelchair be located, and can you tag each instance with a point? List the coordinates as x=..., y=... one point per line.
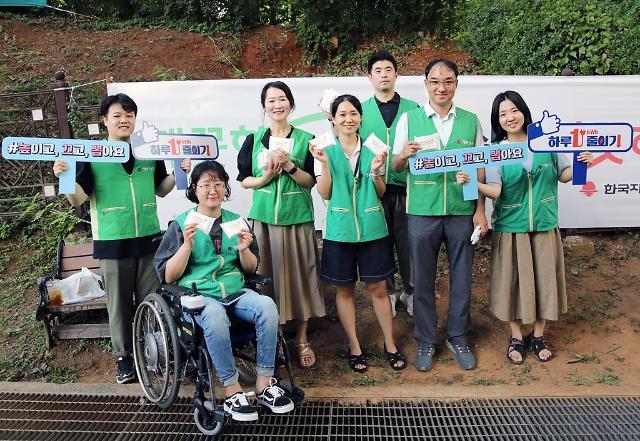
x=215, y=262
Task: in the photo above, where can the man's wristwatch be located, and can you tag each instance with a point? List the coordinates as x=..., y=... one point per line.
x=293, y=170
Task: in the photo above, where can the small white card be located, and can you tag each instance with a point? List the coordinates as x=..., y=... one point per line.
x=284, y=144
x=428, y=142
x=323, y=141
x=327, y=98
x=232, y=228
x=475, y=236
x=375, y=144
x=203, y=223
x=263, y=158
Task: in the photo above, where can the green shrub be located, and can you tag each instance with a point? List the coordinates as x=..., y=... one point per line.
x=353, y=22
x=198, y=15
x=545, y=36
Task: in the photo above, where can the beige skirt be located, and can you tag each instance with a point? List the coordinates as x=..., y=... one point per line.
x=289, y=254
x=527, y=276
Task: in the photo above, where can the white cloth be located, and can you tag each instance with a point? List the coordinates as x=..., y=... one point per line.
x=444, y=127
x=353, y=159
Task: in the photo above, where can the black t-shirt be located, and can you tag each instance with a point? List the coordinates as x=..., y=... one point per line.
x=389, y=110
x=120, y=248
x=245, y=156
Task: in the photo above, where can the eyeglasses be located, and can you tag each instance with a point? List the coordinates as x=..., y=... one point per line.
x=445, y=83
x=207, y=187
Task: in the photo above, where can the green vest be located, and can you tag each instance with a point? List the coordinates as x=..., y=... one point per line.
x=438, y=194
x=354, y=212
x=282, y=201
x=372, y=122
x=123, y=206
x=215, y=275
x=528, y=201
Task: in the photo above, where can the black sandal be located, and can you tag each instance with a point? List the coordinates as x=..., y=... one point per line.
x=516, y=345
x=537, y=345
x=355, y=360
x=394, y=357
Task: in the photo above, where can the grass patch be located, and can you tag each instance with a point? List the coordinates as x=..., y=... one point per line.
x=455, y=378
x=393, y=374
x=105, y=345
x=578, y=380
x=61, y=375
x=608, y=378
x=364, y=380
x=486, y=382
x=586, y=358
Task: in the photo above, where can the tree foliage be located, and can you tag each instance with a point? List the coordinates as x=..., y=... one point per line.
x=591, y=37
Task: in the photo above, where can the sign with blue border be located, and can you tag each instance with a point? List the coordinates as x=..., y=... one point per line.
x=149, y=143
x=468, y=160
x=551, y=135
x=68, y=150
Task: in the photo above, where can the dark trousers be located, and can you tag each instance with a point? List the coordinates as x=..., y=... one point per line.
x=395, y=212
x=426, y=234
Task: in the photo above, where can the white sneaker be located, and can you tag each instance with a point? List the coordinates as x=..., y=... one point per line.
x=407, y=299
x=274, y=398
x=393, y=299
x=239, y=407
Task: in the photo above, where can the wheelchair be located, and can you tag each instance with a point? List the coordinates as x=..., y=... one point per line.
x=169, y=347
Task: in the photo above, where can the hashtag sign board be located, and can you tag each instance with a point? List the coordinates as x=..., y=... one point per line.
x=150, y=144
x=551, y=135
x=68, y=150
x=468, y=160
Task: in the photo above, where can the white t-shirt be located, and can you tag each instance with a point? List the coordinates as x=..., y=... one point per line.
x=444, y=127
x=353, y=159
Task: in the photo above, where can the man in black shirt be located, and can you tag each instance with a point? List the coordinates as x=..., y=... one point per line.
x=380, y=116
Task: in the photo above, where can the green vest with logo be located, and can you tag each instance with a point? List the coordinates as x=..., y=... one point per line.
x=123, y=206
x=528, y=200
x=282, y=201
x=215, y=275
x=438, y=194
x=354, y=212
x=372, y=122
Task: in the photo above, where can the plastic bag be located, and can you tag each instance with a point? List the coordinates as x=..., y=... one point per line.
x=79, y=287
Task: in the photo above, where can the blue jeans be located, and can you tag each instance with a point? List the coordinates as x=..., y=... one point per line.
x=253, y=308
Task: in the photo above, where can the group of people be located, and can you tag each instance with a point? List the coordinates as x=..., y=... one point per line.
x=375, y=210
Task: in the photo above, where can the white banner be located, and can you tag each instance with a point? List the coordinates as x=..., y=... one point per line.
x=230, y=109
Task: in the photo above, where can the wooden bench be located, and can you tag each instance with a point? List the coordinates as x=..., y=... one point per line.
x=70, y=259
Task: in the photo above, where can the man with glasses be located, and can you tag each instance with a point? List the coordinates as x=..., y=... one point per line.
x=437, y=213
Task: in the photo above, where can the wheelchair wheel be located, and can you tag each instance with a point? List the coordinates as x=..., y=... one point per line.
x=212, y=429
x=244, y=357
x=209, y=397
x=156, y=351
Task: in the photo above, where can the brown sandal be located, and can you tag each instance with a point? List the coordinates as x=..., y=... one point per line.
x=305, y=353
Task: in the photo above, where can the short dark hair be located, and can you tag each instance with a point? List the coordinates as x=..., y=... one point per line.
x=119, y=98
x=342, y=98
x=277, y=85
x=213, y=168
x=448, y=63
x=497, y=132
x=381, y=55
